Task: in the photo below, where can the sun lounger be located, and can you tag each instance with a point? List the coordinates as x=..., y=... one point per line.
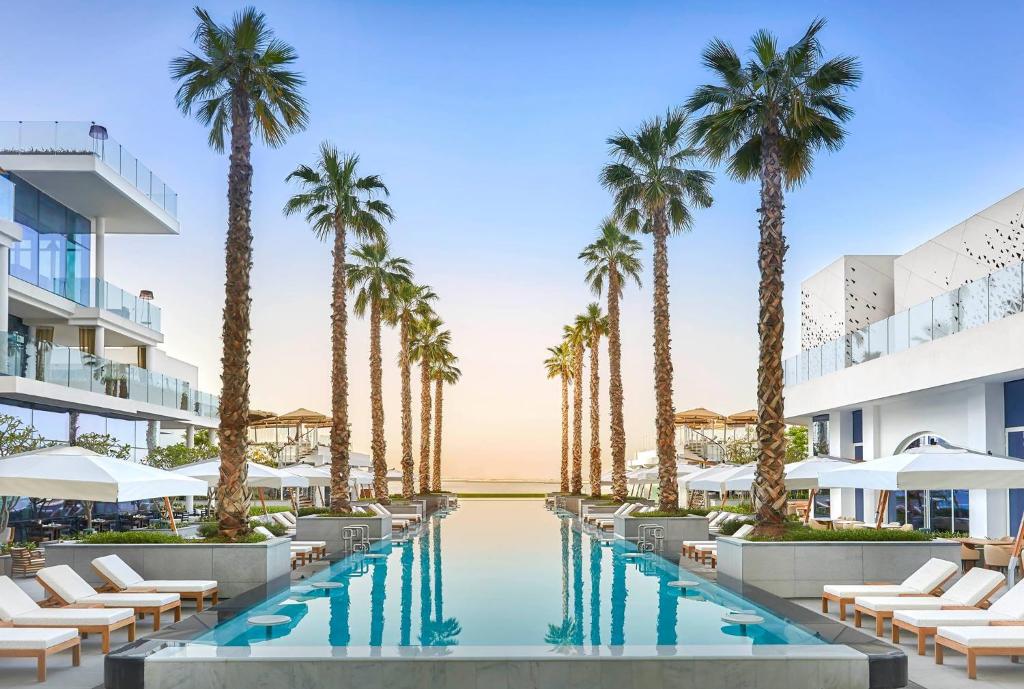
x=604, y=521
x=1007, y=609
x=995, y=640
x=319, y=548
x=122, y=578
x=925, y=581
x=301, y=554
x=290, y=517
x=705, y=549
x=283, y=521
x=400, y=523
x=972, y=590
x=65, y=587
x=18, y=609
x=39, y=643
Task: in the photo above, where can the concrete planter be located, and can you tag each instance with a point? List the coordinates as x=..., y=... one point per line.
x=800, y=569
x=677, y=530
x=329, y=529
x=5, y=565
x=575, y=503
x=416, y=507
x=236, y=567
x=433, y=501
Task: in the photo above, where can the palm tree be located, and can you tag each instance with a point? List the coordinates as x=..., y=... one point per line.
x=766, y=119
x=373, y=278
x=239, y=81
x=444, y=372
x=559, y=365
x=613, y=258
x=594, y=325
x=408, y=301
x=336, y=200
x=654, y=191
x=575, y=339
x=427, y=341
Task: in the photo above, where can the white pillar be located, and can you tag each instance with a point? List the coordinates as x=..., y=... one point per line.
x=100, y=234
x=190, y=436
x=213, y=436
x=871, y=447
x=989, y=509
x=101, y=341
x=189, y=503
x=5, y=261
x=840, y=444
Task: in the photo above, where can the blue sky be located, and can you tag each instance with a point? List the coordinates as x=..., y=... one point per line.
x=488, y=122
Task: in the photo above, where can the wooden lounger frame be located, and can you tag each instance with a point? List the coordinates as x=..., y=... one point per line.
x=882, y=615
x=197, y=597
x=41, y=654
x=53, y=600
x=843, y=602
x=973, y=653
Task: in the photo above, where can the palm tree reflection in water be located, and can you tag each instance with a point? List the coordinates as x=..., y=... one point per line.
x=619, y=594
x=440, y=631
x=340, y=607
x=405, y=629
x=378, y=593
x=577, y=587
x=595, y=591
x=668, y=612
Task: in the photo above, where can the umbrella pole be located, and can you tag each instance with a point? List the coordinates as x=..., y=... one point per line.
x=1018, y=545
x=725, y=497
x=810, y=504
x=883, y=505
x=263, y=502
x=170, y=515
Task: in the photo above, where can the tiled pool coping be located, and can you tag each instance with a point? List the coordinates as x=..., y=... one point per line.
x=166, y=660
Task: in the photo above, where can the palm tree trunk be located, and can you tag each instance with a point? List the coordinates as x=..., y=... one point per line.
x=377, y=445
x=340, y=434
x=435, y=478
x=564, y=487
x=618, y=424
x=595, y=417
x=577, y=421
x=668, y=492
x=769, y=488
x=424, y=426
x=232, y=491
x=408, y=487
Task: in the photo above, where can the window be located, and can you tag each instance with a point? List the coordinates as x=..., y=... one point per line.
x=819, y=434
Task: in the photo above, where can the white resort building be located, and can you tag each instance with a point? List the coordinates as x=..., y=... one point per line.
x=923, y=347
x=75, y=342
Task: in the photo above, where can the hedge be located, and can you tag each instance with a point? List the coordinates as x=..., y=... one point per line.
x=803, y=533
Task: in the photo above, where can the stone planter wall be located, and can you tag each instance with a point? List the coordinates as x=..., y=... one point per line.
x=329, y=529
x=416, y=507
x=434, y=501
x=575, y=503
x=5, y=565
x=801, y=569
x=677, y=530
x=236, y=567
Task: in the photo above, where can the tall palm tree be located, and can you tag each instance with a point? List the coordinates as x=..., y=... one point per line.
x=595, y=326
x=766, y=119
x=613, y=258
x=238, y=82
x=428, y=340
x=444, y=372
x=654, y=191
x=337, y=200
x=408, y=301
x=373, y=277
x=576, y=339
x=559, y=365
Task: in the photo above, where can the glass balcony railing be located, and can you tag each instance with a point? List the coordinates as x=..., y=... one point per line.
x=990, y=298
x=82, y=137
x=74, y=368
x=6, y=199
x=136, y=309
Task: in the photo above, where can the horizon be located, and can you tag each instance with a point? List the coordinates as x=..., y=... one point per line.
x=489, y=126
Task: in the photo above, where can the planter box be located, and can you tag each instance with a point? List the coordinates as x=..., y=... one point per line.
x=433, y=501
x=417, y=507
x=236, y=567
x=800, y=569
x=677, y=530
x=606, y=510
x=575, y=503
x=329, y=529
x=5, y=565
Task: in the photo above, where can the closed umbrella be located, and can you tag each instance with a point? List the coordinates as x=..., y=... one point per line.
x=76, y=473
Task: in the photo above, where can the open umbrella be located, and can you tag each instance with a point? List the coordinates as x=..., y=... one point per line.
x=315, y=476
x=801, y=475
x=259, y=476
x=933, y=468
x=76, y=473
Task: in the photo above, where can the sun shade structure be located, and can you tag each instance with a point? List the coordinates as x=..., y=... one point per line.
x=798, y=475
x=316, y=476
x=929, y=468
x=698, y=418
x=259, y=476
x=714, y=478
x=298, y=417
x=743, y=418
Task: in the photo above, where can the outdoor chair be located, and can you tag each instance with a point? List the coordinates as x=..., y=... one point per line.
x=928, y=578
x=64, y=587
x=998, y=639
x=17, y=642
x=122, y=578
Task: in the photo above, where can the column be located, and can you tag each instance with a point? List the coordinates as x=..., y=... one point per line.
x=871, y=417
x=989, y=509
x=840, y=444
x=99, y=235
x=100, y=341
x=152, y=434
x=5, y=272
x=190, y=436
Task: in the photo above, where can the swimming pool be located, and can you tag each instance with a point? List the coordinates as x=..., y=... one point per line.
x=503, y=573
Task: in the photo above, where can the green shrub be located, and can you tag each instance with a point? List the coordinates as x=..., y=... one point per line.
x=326, y=512
x=665, y=513
x=131, y=537
x=248, y=538
x=741, y=508
x=799, y=532
x=731, y=527
x=257, y=510
x=276, y=529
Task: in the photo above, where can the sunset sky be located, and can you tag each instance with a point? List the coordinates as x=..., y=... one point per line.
x=488, y=122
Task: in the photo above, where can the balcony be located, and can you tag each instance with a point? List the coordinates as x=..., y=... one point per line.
x=73, y=368
x=994, y=297
x=125, y=304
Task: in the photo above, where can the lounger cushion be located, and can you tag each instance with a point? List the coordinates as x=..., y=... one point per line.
x=45, y=617
x=984, y=637
x=301, y=549
x=939, y=618
x=66, y=583
x=289, y=516
x=117, y=571
x=282, y=521
x=311, y=544
x=179, y=585
x=264, y=531
x=705, y=542
x=743, y=531
x=18, y=639
x=855, y=590
x=13, y=601
x=133, y=600
x=972, y=587
x=1011, y=603
x=931, y=575
x=890, y=603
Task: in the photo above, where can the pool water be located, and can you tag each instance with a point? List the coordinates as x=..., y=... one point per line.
x=503, y=573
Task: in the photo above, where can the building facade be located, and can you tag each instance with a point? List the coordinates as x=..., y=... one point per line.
x=77, y=346
x=923, y=347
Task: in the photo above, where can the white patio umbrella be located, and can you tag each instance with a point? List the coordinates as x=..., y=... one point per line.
x=315, y=476
x=933, y=468
x=801, y=475
x=394, y=475
x=714, y=479
x=75, y=473
x=259, y=476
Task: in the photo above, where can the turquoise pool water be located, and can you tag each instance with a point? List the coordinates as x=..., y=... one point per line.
x=503, y=573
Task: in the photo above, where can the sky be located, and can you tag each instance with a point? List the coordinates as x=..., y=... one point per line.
x=488, y=121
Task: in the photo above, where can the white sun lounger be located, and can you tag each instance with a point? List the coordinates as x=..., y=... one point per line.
x=319, y=547
x=972, y=589
x=123, y=578
x=928, y=577
x=283, y=521
x=18, y=642
x=604, y=521
x=18, y=609
x=1008, y=608
x=400, y=523
x=999, y=640
x=65, y=587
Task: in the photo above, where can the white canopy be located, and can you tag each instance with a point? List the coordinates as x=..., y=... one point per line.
x=394, y=475
x=714, y=479
x=643, y=475
x=260, y=475
x=316, y=476
x=75, y=473
x=929, y=468
x=360, y=476
x=798, y=475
